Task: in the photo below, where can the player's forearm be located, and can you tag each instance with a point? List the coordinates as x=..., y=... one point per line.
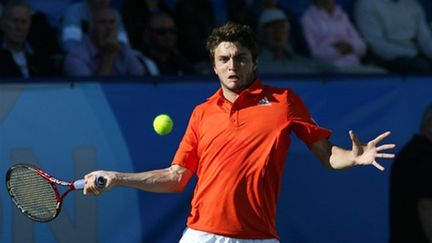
x=164, y=180
x=340, y=158
x=337, y=158
x=332, y=156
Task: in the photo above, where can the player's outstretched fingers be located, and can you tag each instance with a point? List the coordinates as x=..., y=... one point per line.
x=381, y=137
x=378, y=166
x=386, y=147
x=385, y=156
x=354, y=137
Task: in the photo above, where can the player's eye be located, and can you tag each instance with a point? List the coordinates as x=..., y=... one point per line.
x=223, y=59
x=242, y=59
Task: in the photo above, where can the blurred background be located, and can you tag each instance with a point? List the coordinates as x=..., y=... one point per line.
x=60, y=112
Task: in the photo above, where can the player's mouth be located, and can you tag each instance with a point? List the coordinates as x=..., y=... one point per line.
x=233, y=78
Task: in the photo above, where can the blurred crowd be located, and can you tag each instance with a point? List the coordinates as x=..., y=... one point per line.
x=167, y=37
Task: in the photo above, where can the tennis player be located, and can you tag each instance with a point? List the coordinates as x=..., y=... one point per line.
x=237, y=143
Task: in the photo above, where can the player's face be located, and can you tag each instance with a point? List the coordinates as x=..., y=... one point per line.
x=234, y=66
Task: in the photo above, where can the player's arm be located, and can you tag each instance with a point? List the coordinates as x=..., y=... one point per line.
x=335, y=157
x=171, y=179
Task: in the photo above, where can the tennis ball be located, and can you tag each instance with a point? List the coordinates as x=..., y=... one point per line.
x=163, y=124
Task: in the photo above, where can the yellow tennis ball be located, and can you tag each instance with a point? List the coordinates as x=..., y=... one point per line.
x=163, y=124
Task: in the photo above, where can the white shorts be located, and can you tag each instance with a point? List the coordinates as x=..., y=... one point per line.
x=196, y=236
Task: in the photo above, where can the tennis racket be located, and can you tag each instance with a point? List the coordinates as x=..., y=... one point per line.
x=36, y=193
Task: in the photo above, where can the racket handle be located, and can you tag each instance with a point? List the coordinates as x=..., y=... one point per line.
x=100, y=183
x=79, y=184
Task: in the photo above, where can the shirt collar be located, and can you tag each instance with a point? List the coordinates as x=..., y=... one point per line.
x=256, y=88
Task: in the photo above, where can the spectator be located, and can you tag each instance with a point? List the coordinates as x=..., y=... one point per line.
x=297, y=41
x=199, y=14
x=410, y=188
x=277, y=56
x=135, y=14
x=42, y=37
x=52, y=10
x=101, y=53
x=397, y=33
x=331, y=37
x=17, y=57
x=195, y=20
x=235, y=11
x=258, y=7
x=160, y=41
x=79, y=17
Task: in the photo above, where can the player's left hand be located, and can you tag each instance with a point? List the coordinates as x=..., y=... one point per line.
x=366, y=154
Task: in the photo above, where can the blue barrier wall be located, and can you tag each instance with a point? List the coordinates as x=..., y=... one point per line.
x=71, y=130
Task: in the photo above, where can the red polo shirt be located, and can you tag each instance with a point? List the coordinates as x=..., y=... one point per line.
x=238, y=151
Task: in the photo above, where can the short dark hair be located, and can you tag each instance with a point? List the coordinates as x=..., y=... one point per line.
x=236, y=33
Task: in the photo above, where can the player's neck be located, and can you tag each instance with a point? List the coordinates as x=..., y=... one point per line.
x=230, y=95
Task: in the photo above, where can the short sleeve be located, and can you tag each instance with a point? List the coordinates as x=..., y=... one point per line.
x=186, y=155
x=304, y=126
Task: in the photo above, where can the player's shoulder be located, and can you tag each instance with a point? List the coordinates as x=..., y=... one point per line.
x=204, y=105
x=279, y=91
x=201, y=109
x=284, y=95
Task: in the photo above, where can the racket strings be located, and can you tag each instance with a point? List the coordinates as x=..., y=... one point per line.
x=33, y=194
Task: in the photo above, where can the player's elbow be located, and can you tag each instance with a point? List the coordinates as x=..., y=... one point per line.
x=178, y=188
x=180, y=184
x=179, y=177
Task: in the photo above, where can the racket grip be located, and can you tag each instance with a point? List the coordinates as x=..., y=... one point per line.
x=100, y=183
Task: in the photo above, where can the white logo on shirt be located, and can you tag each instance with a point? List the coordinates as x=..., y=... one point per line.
x=264, y=101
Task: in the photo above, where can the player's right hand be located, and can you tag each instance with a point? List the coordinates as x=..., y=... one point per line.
x=90, y=182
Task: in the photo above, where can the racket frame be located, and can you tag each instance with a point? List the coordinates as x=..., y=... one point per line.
x=52, y=181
